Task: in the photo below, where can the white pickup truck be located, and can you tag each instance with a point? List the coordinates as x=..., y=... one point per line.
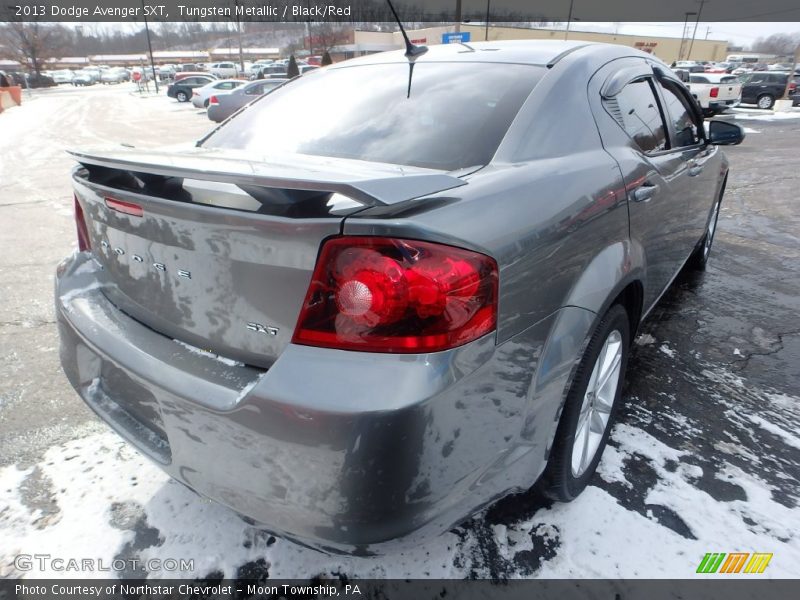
x=715, y=91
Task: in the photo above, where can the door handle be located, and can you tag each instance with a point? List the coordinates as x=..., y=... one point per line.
x=644, y=192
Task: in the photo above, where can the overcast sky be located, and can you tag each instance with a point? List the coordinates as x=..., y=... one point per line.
x=737, y=33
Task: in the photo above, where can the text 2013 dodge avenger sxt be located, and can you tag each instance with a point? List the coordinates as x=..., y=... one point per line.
x=424, y=282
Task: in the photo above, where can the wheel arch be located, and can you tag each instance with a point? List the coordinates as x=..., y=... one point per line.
x=614, y=276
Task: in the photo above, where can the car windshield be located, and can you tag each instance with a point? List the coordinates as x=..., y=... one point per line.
x=454, y=116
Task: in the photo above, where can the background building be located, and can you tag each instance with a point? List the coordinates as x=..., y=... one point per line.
x=667, y=49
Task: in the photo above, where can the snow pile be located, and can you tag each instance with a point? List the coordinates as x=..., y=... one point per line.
x=655, y=509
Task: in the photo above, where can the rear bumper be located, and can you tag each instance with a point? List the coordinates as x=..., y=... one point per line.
x=722, y=104
x=346, y=451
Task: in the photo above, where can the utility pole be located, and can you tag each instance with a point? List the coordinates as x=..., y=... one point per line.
x=569, y=19
x=696, y=23
x=150, y=50
x=486, y=35
x=239, y=38
x=458, y=16
x=708, y=30
x=684, y=34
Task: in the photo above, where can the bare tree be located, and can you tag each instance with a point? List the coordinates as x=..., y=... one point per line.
x=325, y=36
x=781, y=44
x=31, y=44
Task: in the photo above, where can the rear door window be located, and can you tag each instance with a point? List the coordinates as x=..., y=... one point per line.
x=684, y=129
x=636, y=110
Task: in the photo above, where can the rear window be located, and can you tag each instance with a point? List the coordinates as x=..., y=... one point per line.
x=453, y=116
x=698, y=79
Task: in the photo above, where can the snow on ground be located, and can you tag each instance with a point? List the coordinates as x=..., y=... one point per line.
x=754, y=114
x=650, y=514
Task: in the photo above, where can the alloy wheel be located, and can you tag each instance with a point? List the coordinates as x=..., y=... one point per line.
x=597, y=403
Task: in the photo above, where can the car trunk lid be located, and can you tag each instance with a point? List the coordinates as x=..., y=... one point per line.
x=216, y=249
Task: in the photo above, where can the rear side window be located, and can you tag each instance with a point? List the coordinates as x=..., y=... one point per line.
x=453, y=115
x=636, y=110
x=680, y=116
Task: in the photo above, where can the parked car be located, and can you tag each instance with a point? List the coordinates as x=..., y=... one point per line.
x=189, y=67
x=182, y=90
x=40, y=81
x=95, y=72
x=307, y=68
x=253, y=70
x=113, y=76
x=221, y=106
x=224, y=70
x=715, y=92
x=166, y=72
x=425, y=300
x=62, y=76
x=184, y=74
x=201, y=95
x=83, y=78
x=764, y=87
x=275, y=70
x=689, y=65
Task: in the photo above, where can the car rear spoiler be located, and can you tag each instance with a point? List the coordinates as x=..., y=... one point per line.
x=372, y=184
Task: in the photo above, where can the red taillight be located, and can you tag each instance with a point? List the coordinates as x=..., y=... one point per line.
x=393, y=295
x=128, y=208
x=714, y=92
x=792, y=87
x=213, y=100
x=84, y=243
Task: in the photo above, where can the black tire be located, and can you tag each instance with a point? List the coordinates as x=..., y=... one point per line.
x=182, y=96
x=205, y=103
x=699, y=258
x=768, y=101
x=559, y=482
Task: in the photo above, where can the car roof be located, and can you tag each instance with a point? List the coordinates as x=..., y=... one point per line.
x=532, y=52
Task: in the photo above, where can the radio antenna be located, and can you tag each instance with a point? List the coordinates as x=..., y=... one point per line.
x=412, y=50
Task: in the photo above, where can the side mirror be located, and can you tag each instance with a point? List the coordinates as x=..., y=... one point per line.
x=725, y=133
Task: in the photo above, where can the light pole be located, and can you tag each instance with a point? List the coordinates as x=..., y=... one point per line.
x=486, y=35
x=239, y=37
x=150, y=50
x=697, y=21
x=683, y=34
x=569, y=19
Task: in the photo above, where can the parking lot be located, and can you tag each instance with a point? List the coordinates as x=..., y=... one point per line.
x=705, y=457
